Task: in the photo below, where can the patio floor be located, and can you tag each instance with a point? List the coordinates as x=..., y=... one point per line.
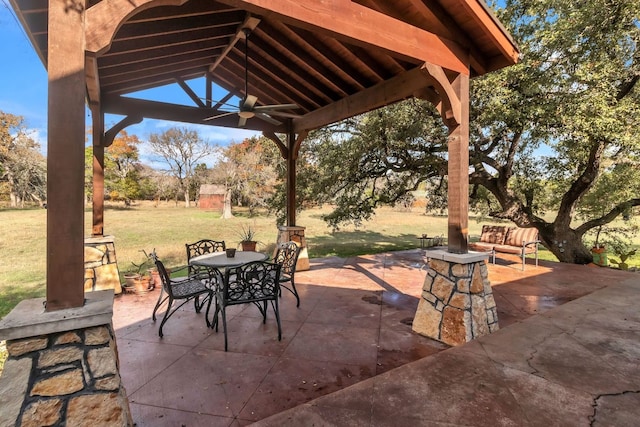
x=354, y=323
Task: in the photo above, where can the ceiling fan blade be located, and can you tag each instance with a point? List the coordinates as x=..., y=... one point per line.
x=268, y=119
x=217, y=116
x=242, y=122
x=276, y=107
x=279, y=114
x=248, y=102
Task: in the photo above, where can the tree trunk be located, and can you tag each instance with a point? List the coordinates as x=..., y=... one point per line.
x=226, y=213
x=186, y=198
x=566, y=245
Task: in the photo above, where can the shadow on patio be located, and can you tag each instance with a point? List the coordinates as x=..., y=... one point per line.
x=354, y=323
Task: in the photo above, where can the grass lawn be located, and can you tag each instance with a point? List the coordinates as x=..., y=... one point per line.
x=168, y=227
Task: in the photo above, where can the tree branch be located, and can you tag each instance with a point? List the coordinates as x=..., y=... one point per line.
x=608, y=217
x=581, y=184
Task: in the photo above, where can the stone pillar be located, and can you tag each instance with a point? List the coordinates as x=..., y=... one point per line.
x=100, y=265
x=63, y=366
x=295, y=234
x=457, y=303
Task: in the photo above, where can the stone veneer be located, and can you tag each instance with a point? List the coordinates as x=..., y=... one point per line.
x=457, y=303
x=100, y=264
x=65, y=375
x=295, y=234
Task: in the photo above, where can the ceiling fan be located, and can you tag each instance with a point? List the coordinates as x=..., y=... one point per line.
x=247, y=107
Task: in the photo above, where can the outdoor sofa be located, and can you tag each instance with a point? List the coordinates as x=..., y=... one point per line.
x=511, y=240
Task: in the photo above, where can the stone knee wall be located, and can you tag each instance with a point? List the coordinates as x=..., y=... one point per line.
x=68, y=378
x=457, y=303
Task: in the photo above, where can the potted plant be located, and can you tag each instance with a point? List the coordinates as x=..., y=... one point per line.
x=622, y=263
x=141, y=281
x=623, y=250
x=598, y=251
x=248, y=240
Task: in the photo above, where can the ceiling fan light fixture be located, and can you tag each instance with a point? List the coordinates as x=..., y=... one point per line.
x=246, y=114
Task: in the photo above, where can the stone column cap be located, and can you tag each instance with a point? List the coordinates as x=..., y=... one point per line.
x=291, y=227
x=468, y=258
x=29, y=319
x=100, y=239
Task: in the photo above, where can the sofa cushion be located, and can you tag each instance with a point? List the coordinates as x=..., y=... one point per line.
x=493, y=234
x=481, y=246
x=516, y=235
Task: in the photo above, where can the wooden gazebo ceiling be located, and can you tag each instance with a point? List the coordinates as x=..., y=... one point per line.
x=314, y=63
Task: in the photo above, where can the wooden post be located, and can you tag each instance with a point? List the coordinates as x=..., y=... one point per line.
x=65, y=156
x=98, y=172
x=291, y=178
x=458, y=171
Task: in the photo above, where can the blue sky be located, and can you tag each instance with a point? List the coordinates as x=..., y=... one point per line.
x=23, y=91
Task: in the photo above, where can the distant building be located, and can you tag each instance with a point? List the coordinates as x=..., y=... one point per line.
x=212, y=197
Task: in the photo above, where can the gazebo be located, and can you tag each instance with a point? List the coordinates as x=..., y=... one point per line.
x=295, y=65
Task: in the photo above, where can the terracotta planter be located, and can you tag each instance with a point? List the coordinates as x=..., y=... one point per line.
x=249, y=246
x=156, y=281
x=141, y=285
x=129, y=281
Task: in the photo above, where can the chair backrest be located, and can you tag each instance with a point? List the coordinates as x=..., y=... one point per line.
x=287, y=256
x=201, y=247
x=251, y=282
x=164, y=276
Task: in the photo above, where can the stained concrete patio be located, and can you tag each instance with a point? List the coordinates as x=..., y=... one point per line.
x=348, y=355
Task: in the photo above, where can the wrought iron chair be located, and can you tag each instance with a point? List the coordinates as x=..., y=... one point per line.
x=202, y=247
x=287, y=256
x=255, y=282
x=182, y=289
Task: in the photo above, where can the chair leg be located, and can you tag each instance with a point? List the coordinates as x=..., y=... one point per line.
x=197, y=305
x=291, y=289
x=295, y=292
x=206, y=315
x=214, y=322
x=167, y=314
x=264, y=313
x=274, y=304
x=159, y=303
x=224, y=327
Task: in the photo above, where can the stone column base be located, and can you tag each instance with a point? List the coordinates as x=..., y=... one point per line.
x=295, y=234
x=63, y=366
x=457, y=302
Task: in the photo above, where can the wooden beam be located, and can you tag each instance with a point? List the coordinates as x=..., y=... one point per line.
x=92, y=78
x=450, y=101
x=180, y=113
x=281, y=145
x=111, y=134
x=250, y=23
x=194, y=97
x=359, y=25
x=395, y=89
x=484, y=18
x=104, y=18
x=298, y=143
x=65, y=157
